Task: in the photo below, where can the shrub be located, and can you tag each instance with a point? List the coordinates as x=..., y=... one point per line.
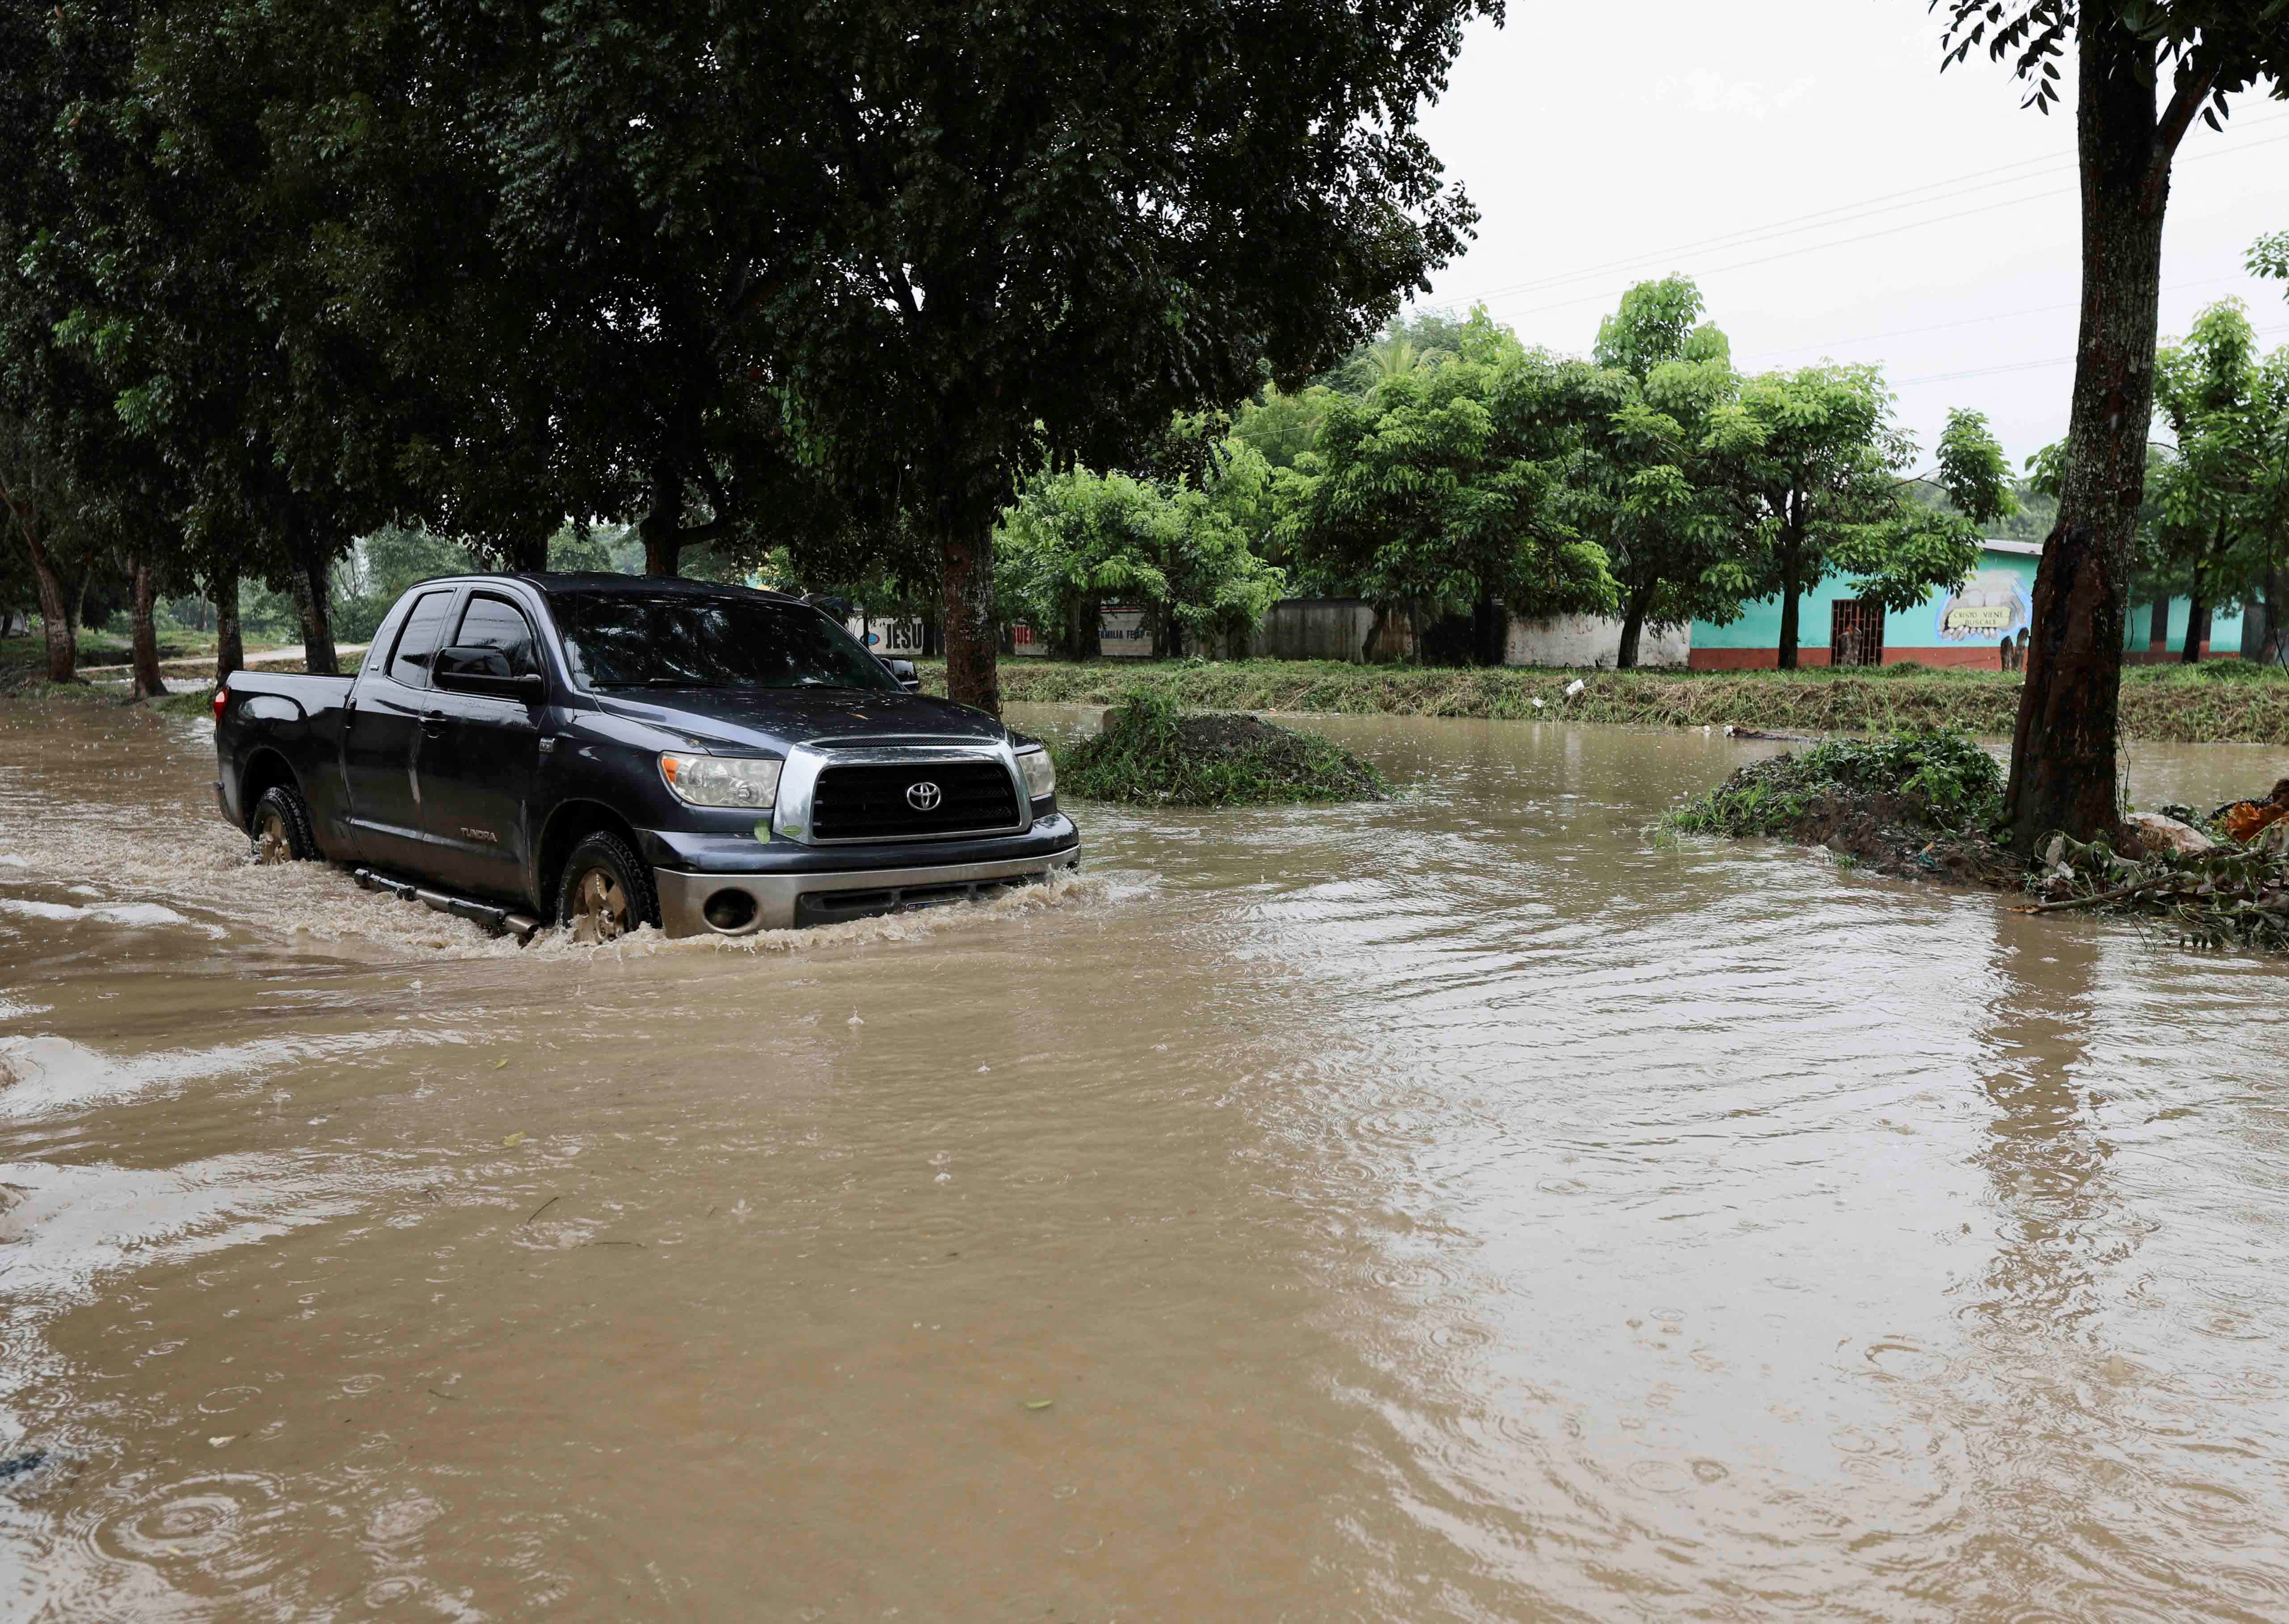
x=1944, y=777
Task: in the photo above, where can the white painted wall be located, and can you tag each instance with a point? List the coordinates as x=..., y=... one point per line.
x=1591, y=640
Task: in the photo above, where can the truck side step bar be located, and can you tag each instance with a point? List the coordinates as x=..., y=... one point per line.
x=492, y=917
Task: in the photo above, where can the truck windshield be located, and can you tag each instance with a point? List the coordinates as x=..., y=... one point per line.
x=624, y=640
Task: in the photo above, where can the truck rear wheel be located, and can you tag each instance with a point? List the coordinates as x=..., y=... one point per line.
x=606, y=890
x=281, y=829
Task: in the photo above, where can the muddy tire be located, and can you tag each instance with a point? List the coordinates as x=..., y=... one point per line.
x=606, y=892
x=281, y=829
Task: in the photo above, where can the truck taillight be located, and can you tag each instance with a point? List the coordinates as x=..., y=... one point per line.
x=221, y=699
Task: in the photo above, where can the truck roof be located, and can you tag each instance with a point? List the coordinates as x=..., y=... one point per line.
x=612, y=583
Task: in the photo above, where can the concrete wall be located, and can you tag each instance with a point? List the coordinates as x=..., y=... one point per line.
x=1590, y=640
x=1327, y=628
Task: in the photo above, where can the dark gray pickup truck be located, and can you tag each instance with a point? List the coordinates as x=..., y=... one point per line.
x=608, y=751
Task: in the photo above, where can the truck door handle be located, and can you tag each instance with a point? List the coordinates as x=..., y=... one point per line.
x=433, y=723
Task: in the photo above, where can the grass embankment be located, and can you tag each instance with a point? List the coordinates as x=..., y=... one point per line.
x=2215, y=702
x=1151, y=754
x=1920, y=805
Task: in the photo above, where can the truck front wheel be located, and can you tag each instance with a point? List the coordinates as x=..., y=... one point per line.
x=282, y=827
x=606, y=892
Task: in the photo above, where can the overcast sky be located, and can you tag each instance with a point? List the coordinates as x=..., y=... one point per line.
x=1608, y=143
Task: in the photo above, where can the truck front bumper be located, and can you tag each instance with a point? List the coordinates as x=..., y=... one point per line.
x=735, y=904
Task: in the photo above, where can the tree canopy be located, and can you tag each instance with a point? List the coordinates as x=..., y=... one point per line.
x=1669, y=495
x=1827, y=466
x=2145, y=69
x=1187, y=554
x=2222, y=488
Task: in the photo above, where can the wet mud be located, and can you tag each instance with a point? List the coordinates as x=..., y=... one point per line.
x=1458, y=1206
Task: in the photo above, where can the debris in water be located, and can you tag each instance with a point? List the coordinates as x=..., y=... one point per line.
x=1151, y=754
x=1039, y=1404
x=226, y=1438
x=17, y=1467
x=1919, y=805
x=2156, y=832
x=514, y=1140
x=2246, y=821
x=499, y=1065
x=854, y=1020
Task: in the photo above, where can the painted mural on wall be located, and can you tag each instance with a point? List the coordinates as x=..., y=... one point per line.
x=1989, y=607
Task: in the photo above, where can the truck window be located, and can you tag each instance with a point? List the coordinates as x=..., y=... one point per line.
x=410, y=664
x=496, y=623
x=632, y=640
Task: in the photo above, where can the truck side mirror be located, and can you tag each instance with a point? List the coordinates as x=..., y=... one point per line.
x=904, y=670
x=485, y=670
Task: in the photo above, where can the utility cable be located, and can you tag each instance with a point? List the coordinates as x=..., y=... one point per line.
x=1841, y=214
x=2029, y=366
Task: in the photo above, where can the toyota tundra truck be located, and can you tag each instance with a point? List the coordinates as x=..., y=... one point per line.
x=606, y=752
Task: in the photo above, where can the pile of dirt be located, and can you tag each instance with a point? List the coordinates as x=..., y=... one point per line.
x=1895, y=835
x=1150, y=753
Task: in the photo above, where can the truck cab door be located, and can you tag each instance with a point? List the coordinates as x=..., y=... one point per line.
x=478, y=776
x=386, y=729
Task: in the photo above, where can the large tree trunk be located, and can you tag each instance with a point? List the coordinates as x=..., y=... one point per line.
x=308, y=579
x=230, y=647
x=2198, y=631
x=1633, y=614
x=55, y=621
x=1489, y=624
x=973, y=674
x=2273, y=643
x=662, y=524
x=2063, y=750
x=2158, y=628
x=144, y=662
x=1789, y=609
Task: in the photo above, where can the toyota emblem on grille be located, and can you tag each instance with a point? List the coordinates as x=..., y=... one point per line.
x=924, y=797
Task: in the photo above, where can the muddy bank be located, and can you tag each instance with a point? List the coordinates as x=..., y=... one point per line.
x=2219, y=702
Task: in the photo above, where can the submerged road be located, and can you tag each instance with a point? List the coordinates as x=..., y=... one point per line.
x=1461, y=1207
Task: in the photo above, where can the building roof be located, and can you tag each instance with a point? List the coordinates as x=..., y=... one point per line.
x=2031, y=549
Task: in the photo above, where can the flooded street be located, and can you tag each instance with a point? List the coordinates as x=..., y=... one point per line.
x=1460, y=1207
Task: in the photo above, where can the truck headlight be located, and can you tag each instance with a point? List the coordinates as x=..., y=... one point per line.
x=721, y=780
x=1041, y=772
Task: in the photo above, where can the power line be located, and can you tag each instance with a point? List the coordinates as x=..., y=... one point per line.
x=1749, y=235
x=1867, y=237
x=2029, y=366
x=1838, y=215
x=1971, y=321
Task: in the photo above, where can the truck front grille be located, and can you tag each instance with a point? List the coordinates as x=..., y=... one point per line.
x=875, y=802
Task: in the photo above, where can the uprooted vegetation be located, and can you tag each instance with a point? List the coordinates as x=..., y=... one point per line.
x=1914, y=804
x=1920, y=805
x=2227, y=886
x=1150, y=753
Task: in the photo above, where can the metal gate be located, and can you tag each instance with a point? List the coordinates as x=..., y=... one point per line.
x=1855, y=633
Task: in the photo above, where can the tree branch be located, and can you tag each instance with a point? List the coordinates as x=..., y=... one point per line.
x=2194, y=87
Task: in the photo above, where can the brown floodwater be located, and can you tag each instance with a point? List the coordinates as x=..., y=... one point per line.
x=1460, y=1207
